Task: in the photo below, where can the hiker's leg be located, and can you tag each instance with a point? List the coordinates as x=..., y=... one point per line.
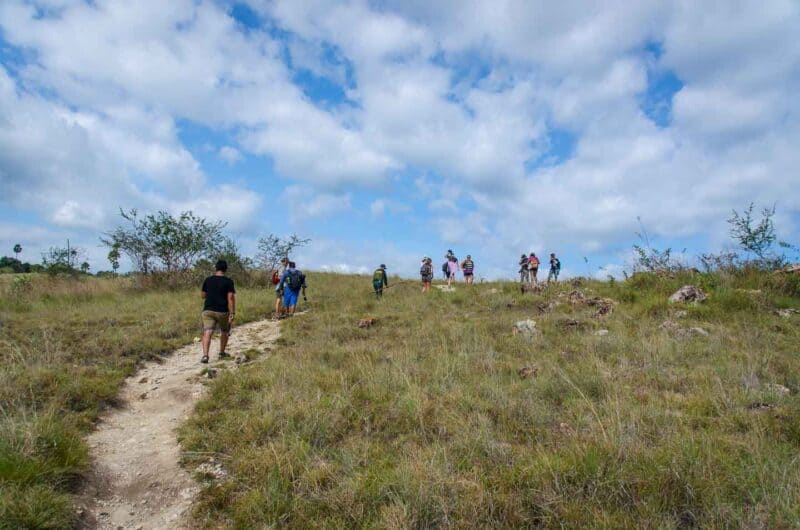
x=207, y=340
x=223, y=340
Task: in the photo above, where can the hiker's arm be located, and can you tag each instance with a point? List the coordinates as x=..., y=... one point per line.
x=203, y=294
x=231, y=305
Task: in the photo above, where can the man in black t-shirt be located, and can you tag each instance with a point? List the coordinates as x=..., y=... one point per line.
x=218, y=309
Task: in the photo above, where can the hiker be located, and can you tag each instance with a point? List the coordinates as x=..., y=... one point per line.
x=219, y=307
x=468, y=266
x=523, y=269
x=380, y=280
x=452, y=269
x=292, y=282
x=426, y=272
x=276, y=280
x=450, y=256
x=555, y=268
x=533, y=268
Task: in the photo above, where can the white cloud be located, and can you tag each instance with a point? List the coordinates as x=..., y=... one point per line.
x=466, y=94
x=377, y=207
x=303, y=203
x=229, y=154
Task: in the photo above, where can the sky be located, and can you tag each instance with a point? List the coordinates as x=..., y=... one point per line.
x=385, y=131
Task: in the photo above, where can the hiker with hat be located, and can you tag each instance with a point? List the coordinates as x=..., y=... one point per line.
x=219, y=307
x=533, y=267
x=380, y=280
x=555, y=268
x=468, y=267
x=426, y=273
x=276, y=280
x=524, y=277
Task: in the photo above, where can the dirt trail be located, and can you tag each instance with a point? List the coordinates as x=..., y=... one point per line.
x=138, y=482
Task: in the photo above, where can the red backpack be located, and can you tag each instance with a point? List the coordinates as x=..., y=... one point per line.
x=276, y=279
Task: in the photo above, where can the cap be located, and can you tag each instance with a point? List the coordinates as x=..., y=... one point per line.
x=383, y=266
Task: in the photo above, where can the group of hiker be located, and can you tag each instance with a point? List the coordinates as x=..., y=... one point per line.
x=219, y=292
x=529, y=268
x=450, y=268
x=219, y=306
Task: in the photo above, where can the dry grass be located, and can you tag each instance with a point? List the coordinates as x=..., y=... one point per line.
x=66, y=346
x=423, y=421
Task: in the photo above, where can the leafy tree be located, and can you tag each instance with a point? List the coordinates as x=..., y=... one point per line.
x=272, y=249
x=14, y=265
x=17, y=250
x=163, y=241
x=757, y=237
x=85, y=267
x=61, y=259
x=229, y=251
x=113, y=256
x=753, y=238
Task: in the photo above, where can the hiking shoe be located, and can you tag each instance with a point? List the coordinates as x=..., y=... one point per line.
x=224, y=355
x=204, y=359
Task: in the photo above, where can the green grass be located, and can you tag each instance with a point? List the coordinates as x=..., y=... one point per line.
x=423, y=421
x=66, y=346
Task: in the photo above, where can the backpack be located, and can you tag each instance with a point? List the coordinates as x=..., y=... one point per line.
x=295, y=280
x=469, y=265
x=377, y=276
x=445, y=269
x=276, y=278
x=425, y=270
x=534, y=261
x=556, y=264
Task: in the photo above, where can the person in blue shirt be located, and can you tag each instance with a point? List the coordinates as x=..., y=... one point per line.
x=292, y=282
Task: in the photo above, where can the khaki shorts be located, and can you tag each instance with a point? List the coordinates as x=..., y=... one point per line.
x=216, y=320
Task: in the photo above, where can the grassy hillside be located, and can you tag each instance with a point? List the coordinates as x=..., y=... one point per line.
x=66, y=346
x=423, y=420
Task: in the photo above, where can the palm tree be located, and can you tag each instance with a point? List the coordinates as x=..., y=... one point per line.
x=17, y=250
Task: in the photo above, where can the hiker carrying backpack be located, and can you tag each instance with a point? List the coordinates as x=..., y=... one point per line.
x=380, y=280
x=294, y=280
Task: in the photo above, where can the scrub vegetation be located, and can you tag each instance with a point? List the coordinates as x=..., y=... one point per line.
x=66, y=345
x=438, y=416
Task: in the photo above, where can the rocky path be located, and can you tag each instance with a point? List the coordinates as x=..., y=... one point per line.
x=138, y=481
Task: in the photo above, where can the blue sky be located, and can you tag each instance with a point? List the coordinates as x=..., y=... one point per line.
x=388, y=131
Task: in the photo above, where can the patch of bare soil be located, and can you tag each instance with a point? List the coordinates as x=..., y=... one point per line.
x=137, y=481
